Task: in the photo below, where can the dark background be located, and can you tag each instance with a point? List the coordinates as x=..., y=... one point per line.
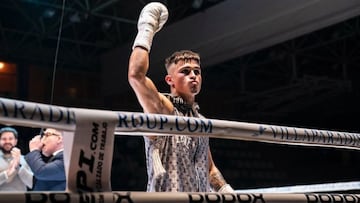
x=309, y=81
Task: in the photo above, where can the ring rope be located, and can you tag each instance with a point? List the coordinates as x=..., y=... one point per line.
x=134, y=123
x=88, y=161
x=322, y=187
x=178, y=197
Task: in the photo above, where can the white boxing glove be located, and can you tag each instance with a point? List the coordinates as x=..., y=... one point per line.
x=152, y=18
x=226, y=189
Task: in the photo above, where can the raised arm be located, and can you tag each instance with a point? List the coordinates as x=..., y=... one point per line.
x=148, y=96
x=152, y=17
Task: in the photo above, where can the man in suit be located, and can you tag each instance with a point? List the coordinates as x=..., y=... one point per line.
x=49, y=174
x=15, y=174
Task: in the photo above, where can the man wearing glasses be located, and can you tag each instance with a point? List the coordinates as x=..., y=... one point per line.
x=50, y=173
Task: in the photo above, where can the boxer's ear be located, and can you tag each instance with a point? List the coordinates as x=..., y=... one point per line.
x=169, y=80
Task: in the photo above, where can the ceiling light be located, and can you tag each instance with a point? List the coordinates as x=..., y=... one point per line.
x=197, y=4
x=106, y=24
x=49, y=13
x=75, y=18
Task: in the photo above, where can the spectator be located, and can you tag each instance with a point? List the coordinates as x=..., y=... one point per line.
x=49, y=174
x=15, y=173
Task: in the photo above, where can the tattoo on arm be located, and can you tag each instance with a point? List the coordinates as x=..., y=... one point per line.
x=217, y=180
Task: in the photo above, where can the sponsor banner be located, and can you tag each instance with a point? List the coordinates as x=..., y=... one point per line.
x=173, y=197
x=92, y=151
x=68, y=140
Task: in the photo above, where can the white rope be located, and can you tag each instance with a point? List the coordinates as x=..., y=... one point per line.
x=176, y=197
x=133, y=123
x=93, y=129
x=322, y=187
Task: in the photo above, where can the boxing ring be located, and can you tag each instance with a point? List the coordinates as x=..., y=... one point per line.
x=89, y=137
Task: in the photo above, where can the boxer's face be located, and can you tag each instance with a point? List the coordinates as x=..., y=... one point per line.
x=7, y=142
x=185, y=77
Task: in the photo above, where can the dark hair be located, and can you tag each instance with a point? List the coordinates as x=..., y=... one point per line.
x=181, y=55
x=9, y=129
